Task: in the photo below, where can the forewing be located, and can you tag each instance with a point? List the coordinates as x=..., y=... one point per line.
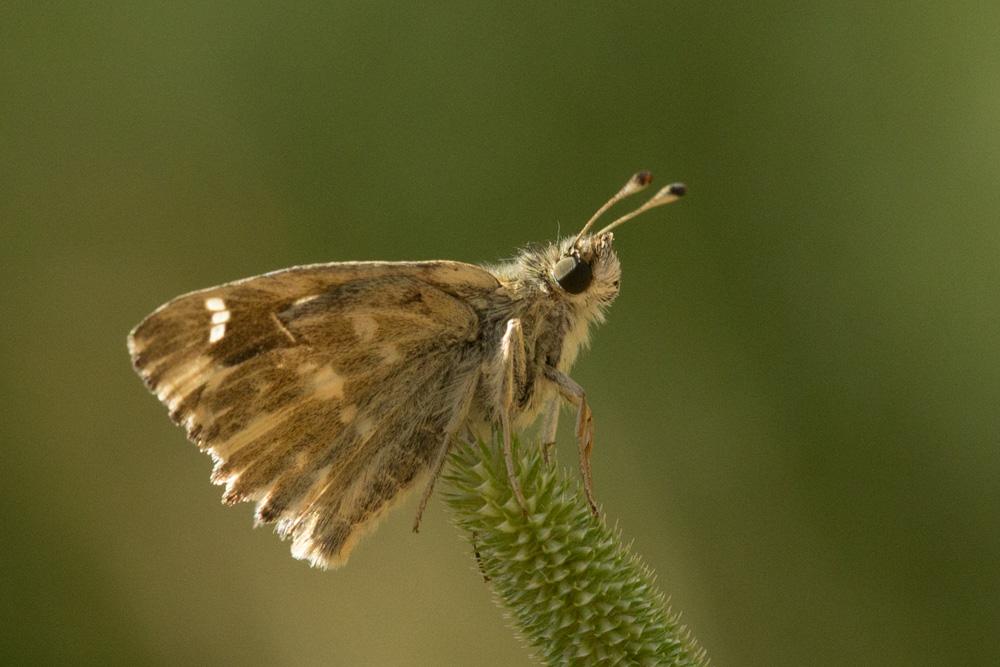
x=320, y=391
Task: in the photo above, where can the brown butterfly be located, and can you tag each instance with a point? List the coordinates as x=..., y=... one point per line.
x=324, y=391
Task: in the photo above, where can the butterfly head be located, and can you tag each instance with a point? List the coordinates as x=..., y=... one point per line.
x=587, y=267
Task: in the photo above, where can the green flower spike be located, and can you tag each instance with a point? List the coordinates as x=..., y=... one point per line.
x=575, y=593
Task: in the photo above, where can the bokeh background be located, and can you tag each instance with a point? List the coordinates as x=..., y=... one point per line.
x=796, y=394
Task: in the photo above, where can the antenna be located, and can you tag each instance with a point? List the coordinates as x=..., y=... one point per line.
x=666, y=195
x=638, y=182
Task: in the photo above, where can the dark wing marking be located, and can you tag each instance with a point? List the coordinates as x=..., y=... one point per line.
x=320, y=391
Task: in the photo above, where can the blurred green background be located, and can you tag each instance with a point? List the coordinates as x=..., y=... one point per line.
x=796, y=394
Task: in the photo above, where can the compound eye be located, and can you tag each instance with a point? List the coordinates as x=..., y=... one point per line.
x=573, y=274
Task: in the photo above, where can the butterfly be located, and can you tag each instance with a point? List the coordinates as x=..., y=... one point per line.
x=323, y=392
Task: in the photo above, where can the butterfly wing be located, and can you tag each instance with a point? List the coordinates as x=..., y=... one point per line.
x=320, y=391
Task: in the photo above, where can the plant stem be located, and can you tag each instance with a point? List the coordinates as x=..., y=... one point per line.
x=575, y=592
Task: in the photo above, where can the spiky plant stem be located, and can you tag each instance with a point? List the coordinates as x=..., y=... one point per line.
x=575, y=593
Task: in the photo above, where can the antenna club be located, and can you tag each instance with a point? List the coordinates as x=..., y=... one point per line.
x=638, y=182
x=666, y=195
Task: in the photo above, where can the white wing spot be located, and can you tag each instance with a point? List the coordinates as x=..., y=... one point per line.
x=365, y=327
x=216, y=333
x=327, y=384
x=219, y=318
x=348, y=413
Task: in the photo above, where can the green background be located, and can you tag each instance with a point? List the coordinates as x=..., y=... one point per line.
x=796, y=394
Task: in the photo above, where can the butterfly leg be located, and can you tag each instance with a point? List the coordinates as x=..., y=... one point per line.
x=550, y=426
x=513, y=379
x=451, y=431
x=575, y=394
